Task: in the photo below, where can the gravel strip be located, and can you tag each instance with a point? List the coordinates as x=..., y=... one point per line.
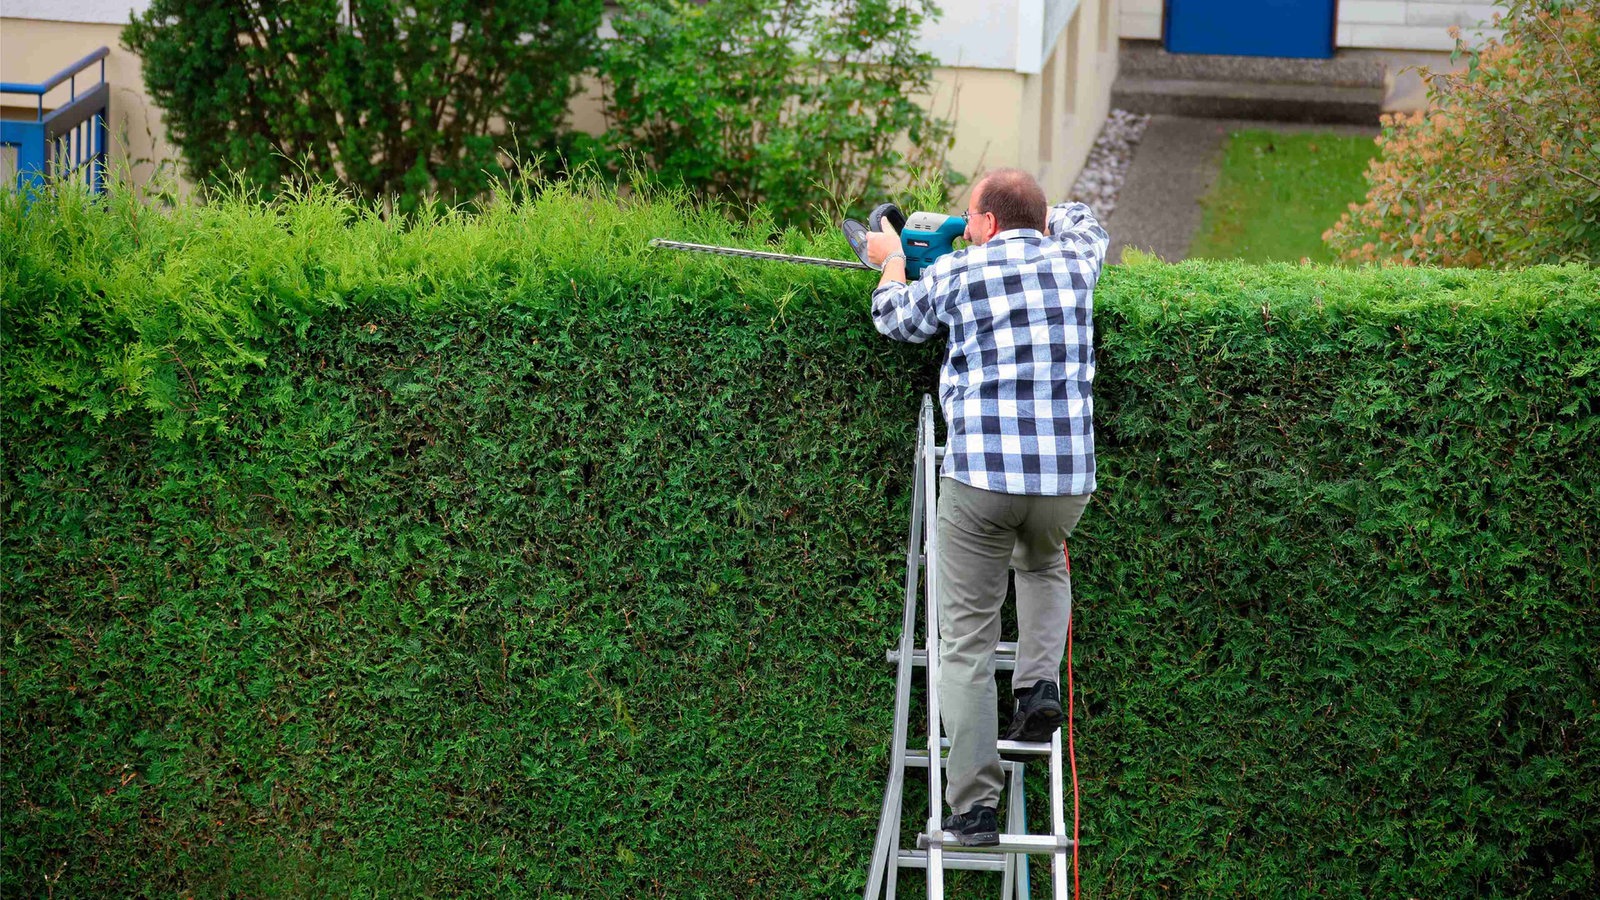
x=1101, y=179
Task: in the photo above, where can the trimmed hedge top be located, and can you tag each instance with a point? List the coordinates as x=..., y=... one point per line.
x=167, y=310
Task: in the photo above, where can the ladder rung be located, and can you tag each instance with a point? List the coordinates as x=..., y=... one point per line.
x=1005, y=656
x=1021, y=748
x=954, y=859
x=1015, y=748
x=1009, y=843
x=918, y=759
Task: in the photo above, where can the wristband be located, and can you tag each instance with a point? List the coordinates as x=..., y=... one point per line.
x=886, y=259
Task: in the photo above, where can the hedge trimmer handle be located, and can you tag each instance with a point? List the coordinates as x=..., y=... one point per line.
x=925, y=236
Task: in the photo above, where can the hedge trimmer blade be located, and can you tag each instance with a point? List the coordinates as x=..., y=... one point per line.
x=758, y=254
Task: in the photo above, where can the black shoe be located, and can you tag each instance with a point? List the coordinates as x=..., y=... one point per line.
x=1038, y=713
x=975, y=828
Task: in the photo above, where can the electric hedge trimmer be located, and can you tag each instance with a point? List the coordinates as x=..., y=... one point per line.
x=926, y=236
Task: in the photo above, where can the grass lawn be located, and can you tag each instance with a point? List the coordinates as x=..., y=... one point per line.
x=1277, y=193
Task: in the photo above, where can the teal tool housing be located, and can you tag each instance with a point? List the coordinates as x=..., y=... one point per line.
x=928, y=236
x=925, y=236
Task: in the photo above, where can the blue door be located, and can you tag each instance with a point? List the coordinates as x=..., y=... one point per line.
x=1301, y=28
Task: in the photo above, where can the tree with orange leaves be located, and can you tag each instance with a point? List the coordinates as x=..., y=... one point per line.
x=1504, y=168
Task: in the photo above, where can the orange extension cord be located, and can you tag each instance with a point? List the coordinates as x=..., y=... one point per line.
x=1071, y=752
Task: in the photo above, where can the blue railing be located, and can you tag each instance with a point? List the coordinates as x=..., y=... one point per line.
x=70, y=140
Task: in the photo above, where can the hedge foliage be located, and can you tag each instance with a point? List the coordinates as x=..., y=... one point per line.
x=501, y=555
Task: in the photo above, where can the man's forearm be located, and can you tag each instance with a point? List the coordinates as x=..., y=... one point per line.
x=894, y=269
x=1073, y=218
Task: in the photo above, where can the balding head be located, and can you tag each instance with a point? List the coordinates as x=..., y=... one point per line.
x=1014, y=197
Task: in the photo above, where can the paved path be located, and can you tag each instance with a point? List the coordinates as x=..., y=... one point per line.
x=1158, y=208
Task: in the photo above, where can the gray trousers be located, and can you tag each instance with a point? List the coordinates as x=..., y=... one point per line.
x=982, y=534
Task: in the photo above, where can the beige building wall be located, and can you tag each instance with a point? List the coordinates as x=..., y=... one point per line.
x=32, y=50
x=1142, y=19
x=1043, y=123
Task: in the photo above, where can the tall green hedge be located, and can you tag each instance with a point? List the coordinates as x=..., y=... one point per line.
x=503, y=556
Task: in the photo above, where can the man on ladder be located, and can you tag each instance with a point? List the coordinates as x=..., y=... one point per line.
x=1015, y=390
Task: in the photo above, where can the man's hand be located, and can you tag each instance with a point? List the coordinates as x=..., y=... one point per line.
x=883, y=244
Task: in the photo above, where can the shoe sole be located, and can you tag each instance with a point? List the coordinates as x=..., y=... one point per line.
x=1037, y=726
x=978, y=839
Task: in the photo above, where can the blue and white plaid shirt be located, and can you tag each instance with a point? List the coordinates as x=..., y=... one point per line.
x=1015, y=386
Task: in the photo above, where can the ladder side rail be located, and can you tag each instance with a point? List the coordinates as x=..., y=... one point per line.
x=1017, y=821
x=909, y=630
x=908, y=640
x=931, y=601
x=882, y=874
x=1058, y=822
x=1008, y=880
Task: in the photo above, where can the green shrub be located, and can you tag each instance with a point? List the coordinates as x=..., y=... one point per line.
x=393, y=102
x=800, y=105
x=1504, y=169
x=499, y=555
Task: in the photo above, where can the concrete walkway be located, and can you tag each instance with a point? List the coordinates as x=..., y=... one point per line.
x=1158, y=208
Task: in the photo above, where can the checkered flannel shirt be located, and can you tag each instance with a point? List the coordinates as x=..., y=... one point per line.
x=1015, y=385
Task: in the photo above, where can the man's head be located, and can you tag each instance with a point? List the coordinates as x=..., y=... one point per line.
x=1002, y=200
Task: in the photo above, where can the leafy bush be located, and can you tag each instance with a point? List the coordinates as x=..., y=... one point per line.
x=1504, y=170
x=802, y=105
x=497, y=555
x=389, y=100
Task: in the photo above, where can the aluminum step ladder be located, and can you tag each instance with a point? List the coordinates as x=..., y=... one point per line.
x=1010, y=856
